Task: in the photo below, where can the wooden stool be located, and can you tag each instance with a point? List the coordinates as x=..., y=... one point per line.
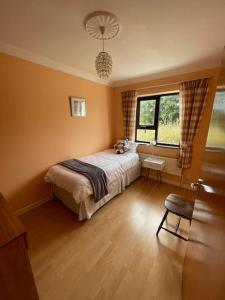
x=179, y=206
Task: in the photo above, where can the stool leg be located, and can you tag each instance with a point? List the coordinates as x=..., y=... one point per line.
x=160, y=176
x=163, y=219
x=146, y=173
x=178, y=224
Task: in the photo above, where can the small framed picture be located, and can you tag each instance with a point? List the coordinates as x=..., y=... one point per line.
x=78, y=107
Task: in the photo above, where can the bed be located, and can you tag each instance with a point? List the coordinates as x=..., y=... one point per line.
x=75, y=190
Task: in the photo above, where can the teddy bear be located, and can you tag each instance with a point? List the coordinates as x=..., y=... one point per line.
x=120, y=147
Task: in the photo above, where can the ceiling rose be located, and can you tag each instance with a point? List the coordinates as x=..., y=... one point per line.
x=94, y=21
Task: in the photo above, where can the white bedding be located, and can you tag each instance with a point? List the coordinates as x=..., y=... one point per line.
x=120, y=171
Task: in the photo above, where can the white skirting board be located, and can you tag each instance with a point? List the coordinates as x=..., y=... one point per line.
x=171, y=182
x=34, y=205
x=47, y=199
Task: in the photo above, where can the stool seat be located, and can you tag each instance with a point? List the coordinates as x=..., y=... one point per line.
x=179, y=205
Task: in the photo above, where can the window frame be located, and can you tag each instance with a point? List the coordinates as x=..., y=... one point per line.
x=155, y=126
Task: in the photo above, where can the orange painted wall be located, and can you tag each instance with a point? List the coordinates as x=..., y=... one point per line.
x=200, y=139
x=36, y=129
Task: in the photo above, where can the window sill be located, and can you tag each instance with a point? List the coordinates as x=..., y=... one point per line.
x=157, y=145
x=215, y=149
x=168, y=146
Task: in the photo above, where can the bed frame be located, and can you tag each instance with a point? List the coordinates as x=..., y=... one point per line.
x=79, y=208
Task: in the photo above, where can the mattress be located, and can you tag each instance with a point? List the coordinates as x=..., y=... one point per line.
x=120, y=171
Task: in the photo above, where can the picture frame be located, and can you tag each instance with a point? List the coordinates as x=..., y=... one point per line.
x=78, y=106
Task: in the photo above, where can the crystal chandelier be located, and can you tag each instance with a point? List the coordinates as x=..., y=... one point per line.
x=103, y=65
x=103, y=26
x=103, y=62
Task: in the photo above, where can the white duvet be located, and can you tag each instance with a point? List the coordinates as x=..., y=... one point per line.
x=114, y=165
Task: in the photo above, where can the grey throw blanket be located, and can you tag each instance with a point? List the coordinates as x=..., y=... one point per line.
x=95, y=175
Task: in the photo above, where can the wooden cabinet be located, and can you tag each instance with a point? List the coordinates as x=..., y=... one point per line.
x=16, y=277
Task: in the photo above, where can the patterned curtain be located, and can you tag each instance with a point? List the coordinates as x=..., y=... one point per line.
x=193, y=98
x=129, y=104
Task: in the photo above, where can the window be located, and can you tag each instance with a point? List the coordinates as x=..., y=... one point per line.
x=216, y=134
x=158, y=119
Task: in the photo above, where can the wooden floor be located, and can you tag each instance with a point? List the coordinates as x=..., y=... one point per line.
x=115, y=255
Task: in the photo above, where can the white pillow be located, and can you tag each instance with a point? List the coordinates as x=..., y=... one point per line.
x=132, y=146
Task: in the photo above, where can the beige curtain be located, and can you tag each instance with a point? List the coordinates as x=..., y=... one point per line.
x=129, y=104
x=193, y=98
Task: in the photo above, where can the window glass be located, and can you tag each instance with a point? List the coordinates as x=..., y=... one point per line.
x=158, y=117
x=216, y=134
x=145, y=135
x=169, y=125
x=147, y=112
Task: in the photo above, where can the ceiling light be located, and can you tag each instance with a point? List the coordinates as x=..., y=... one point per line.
x=102, y=25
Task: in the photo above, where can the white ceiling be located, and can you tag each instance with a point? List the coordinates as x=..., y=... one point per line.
x=157, y=37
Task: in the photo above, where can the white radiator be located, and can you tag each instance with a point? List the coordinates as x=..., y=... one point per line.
x=170, y=166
